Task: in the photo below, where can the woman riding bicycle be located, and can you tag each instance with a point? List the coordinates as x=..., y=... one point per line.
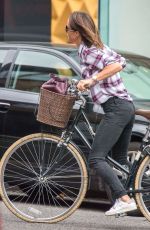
x=100, y=68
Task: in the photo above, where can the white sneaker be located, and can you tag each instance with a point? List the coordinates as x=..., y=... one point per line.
x=121, y=207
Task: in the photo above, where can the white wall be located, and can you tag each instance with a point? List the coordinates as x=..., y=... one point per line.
x=129, y=25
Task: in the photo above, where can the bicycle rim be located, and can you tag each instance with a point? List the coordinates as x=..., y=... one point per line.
x=40, y=181
x=142, y=181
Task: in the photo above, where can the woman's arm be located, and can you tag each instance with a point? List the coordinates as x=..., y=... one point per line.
x=108, y=71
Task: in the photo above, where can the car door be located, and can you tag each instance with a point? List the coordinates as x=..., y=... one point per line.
x=29, y=71
x=6, y=57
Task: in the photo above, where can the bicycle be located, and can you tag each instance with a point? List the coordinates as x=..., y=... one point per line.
x=44, y=177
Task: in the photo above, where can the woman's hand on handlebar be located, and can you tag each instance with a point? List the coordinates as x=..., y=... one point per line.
x=85, y=84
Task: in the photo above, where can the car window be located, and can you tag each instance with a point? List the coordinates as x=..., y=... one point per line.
x=136, y=77
x=32, y=69
x=2, y=57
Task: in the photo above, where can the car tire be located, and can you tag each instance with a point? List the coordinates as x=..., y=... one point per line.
x=133, y=148
x=132, y=151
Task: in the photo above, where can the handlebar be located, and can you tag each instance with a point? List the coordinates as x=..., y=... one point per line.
x=73, y=90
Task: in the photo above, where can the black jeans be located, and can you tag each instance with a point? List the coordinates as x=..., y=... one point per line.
x=113, y=134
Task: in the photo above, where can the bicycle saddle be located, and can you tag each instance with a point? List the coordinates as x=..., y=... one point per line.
x=143, y=112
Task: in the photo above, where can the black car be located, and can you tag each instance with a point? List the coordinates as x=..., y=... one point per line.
x=24, y=67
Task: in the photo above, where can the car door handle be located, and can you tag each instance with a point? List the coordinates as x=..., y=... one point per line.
x=4, y=107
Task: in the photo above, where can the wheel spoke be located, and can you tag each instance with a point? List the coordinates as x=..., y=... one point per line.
x=42, y=182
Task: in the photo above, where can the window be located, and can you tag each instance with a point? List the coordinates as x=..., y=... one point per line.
x=26, y=20
x=136, y=78
x=32, y=69
x=3, y=72
x=2, y=57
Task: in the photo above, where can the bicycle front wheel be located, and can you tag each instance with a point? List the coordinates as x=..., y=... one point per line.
x=142, y=181
x=41, y=180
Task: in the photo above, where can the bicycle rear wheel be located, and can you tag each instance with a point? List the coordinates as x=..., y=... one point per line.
x=41, y=181
x=142, y=181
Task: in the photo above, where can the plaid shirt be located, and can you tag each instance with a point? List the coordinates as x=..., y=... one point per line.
x=92, y=61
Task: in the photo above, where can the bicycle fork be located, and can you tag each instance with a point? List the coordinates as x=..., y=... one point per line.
x=130, y=179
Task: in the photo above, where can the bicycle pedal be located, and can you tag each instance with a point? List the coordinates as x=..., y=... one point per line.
x=61, y=196
x=120, y=215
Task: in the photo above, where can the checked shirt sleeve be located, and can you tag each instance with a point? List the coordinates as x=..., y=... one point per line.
x=113, y=57
x=98, y=58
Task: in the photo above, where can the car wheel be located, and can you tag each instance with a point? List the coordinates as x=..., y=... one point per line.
x=132, y=151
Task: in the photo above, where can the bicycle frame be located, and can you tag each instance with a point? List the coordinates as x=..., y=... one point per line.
x=67, y=135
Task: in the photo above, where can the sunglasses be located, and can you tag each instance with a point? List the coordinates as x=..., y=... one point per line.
x=68, y=29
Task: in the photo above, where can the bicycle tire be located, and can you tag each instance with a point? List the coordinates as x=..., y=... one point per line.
x=142, y=181
x=65, y=179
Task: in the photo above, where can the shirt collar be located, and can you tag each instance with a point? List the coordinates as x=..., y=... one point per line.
x=80, y=48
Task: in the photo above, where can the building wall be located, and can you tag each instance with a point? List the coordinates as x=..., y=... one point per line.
x=40, y=20
x=25, y=20
x=129, y=25
x=60, y=11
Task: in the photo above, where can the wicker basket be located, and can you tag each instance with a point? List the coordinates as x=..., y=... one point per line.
x=55, y=109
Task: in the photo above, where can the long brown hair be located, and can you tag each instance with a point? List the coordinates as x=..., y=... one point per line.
x=84, y=24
